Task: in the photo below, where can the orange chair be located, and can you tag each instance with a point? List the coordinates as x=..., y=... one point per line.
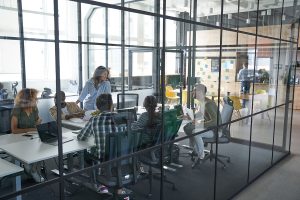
x=171, y=95
x=236, y=105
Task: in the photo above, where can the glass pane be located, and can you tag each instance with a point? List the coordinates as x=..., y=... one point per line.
x=238, y=152
x=139, y=29
x=10, y=70
x=38, y=20
x=69, y=68
x=261, y=144
x=68, y=27
x=146, y=5
x=270, y=20
x=280, y=135
x=247, y=16
x=9, y=10
x=209, y=12
x=51, y=190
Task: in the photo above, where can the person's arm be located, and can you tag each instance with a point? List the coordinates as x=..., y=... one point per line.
x=240, y=75
x=141, y=122
x=211, y=115
x=104, y=88
x=74, y=110
x=16, y=130
x=83, y=93
x=86, y=131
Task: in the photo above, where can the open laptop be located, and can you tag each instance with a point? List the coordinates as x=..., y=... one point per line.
x=48, y=133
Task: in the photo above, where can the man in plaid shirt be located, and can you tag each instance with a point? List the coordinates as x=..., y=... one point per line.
x=101, y=125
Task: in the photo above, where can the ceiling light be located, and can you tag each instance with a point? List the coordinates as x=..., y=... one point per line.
x=217, y=23
x=263, y=13
x=269, y=12
x=211, y=10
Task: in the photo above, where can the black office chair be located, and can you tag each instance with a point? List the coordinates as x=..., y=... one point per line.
x=225, y=137
x=121, y=173
x=127, y=100
x=153, y=158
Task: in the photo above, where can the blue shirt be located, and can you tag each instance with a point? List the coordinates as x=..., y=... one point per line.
x=89, y=93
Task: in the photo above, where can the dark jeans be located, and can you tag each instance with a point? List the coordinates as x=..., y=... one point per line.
x=245, y=87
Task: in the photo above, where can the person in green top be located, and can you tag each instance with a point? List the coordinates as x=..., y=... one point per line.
x=205, y=118
x=25, y=117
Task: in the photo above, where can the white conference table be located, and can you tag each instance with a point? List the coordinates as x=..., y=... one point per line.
x=33, y=150
x=9, y=169
x=78, y=123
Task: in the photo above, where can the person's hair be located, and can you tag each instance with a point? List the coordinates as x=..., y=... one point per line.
x=104, y=102
x=200, y=88
x=97, y=73
x=26, y=98
x=62, y=95
x=150, y=104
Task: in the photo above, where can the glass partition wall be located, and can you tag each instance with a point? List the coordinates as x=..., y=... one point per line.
x=150, y=47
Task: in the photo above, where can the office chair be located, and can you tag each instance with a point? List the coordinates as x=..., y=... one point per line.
x=236, y=105
x=171, y=95
x=127, y=100
x=223, y=137
x=120, y=173
x=153, y=157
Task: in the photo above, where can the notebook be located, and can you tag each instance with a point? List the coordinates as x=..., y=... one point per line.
x=48, y=133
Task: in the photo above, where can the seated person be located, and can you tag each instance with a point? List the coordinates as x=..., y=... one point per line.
x=99, y=126
x=25, y=114
x=25, y=117
x=148, y=119
x=206, y=117
x=68, y=109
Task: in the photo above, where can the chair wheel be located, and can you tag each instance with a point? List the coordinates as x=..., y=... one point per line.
x=149, y=195
x=224, y=167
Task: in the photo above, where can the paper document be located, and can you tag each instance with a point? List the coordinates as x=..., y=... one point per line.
x=189, y=112
x=76, y=120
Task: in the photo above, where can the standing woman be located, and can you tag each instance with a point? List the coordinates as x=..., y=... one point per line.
x=95, y=86
x=25, y=115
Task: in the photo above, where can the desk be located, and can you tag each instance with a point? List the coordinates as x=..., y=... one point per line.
x=8, y=169
x=38, y=151
x=79, y=123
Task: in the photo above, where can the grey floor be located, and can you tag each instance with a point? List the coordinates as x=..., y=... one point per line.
x=283, y=180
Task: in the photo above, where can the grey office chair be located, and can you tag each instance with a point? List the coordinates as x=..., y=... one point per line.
x=127, y=100
x=225, y=137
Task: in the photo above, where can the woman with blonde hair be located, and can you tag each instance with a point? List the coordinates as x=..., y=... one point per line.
x=25, y=115
x=98, y=84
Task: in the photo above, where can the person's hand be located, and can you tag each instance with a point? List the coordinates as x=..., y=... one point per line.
x=39, y=121
x=77, y=102
x=80, y=115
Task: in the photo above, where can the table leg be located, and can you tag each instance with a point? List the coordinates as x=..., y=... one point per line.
x=17, y=184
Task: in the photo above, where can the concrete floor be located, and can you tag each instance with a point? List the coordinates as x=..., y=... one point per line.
x=282, y=182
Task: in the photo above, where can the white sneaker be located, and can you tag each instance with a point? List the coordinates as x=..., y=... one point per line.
x=202, y=156
x=37, y=178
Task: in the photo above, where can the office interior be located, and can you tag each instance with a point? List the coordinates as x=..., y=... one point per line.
x=161, y=48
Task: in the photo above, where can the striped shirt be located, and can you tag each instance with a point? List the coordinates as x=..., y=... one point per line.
x=90, y=93
x=100, y=126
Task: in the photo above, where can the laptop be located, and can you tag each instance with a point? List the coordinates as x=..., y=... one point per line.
x=48, y=133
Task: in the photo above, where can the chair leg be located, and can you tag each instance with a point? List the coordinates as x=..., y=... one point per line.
x=150, y=181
